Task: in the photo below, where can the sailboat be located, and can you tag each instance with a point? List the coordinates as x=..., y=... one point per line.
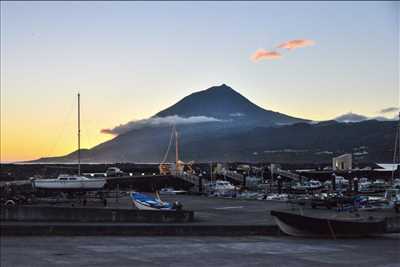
x=66, y=182
x=166, y=168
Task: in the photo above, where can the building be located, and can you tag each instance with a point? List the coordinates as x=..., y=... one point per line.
x=342, y=163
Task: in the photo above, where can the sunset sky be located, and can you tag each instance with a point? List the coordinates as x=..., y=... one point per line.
x=130, y=60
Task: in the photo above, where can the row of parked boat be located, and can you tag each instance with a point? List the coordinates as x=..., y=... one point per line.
x=364, y=185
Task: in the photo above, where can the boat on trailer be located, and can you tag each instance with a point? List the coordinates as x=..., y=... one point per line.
x=306, y=226
x=65, y=182
x=145, y=202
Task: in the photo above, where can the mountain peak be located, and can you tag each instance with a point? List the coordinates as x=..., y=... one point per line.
x=222, y=89
x=217, y=101
x=223, y=102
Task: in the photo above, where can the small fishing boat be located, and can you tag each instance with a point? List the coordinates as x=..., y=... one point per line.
x=220, y=188
x=145, y=202
x=392, y=197
x=305, y=226
x=171, y=191
x=307, y=185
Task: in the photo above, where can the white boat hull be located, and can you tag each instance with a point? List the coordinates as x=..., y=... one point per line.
x=91, y=184
x=289, y=230
x=141, y=206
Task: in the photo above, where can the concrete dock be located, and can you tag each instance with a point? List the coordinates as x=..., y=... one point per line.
x=210, y=216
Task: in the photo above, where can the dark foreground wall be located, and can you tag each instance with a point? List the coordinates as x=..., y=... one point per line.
x=69, y=214
x=130, y=229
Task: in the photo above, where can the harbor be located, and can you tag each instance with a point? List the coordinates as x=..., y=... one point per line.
x=200, y=215
x=223, y=231
x=210, y=204
x=199, y=134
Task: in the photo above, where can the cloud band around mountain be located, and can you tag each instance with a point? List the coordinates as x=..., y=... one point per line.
x=261, y=54
x=389, y=110
x=157, y=121
x=353, y=117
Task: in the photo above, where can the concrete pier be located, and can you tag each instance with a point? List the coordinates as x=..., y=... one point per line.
x=79, y=214
x=133, y=229
x=211, y=217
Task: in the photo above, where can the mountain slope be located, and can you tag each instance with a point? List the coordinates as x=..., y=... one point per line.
x=293, y=143
x=370, y=141
x=242, y=132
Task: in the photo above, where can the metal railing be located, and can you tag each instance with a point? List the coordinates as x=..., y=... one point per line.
x=233, y=175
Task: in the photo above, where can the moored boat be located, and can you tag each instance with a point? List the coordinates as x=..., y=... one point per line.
x=220, y=188
x=306, y=226
x=171, y=191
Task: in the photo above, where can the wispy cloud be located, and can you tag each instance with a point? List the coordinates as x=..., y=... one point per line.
x=157, y=121
x=261, y=54
x=237, y=114
x=293, y=44
x=388, y=110
x=353, y=117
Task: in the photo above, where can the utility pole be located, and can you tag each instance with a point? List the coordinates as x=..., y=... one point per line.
x=79, y=134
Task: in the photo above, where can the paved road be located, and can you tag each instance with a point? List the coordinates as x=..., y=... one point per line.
x=229, y=211
x=211, y=210
x=198, y=251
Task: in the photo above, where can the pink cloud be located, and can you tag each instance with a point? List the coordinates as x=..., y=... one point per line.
x=293, y=44
x=264, y=54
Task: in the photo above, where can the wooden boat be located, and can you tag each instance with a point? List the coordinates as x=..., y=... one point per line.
x=305, y=226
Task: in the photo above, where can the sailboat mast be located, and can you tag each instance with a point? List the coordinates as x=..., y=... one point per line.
x=176, y=150
x=79, y=134
x=396, y=153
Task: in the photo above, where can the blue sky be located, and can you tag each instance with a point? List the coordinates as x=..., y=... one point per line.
x=131, y=59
